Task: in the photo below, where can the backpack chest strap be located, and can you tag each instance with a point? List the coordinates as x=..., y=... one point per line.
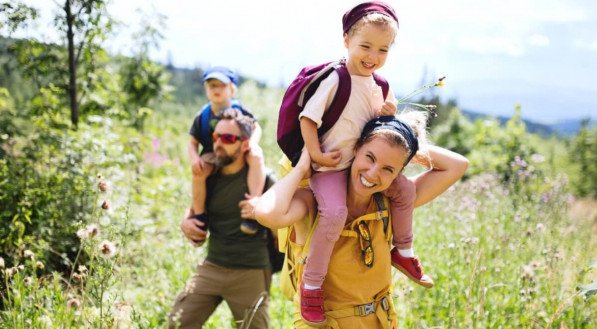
x=382, y=307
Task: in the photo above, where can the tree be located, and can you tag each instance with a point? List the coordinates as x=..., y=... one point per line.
x=85, y=23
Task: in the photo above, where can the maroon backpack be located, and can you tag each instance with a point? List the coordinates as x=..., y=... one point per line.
x=300, y=91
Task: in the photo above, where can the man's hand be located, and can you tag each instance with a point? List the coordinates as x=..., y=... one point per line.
x=389, y=108
x=193, y=229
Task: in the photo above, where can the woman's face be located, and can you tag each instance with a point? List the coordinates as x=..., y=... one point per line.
x=376, y=164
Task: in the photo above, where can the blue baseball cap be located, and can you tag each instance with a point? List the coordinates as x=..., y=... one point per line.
x=221, y=73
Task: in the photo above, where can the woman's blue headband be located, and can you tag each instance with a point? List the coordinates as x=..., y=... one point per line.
x=393, y=124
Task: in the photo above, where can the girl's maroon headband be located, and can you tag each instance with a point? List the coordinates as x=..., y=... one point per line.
x=356, y=13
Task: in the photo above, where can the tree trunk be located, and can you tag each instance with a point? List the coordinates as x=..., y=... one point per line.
x=72, y=66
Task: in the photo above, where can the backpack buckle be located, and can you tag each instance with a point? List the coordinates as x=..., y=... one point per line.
x=385, y=304
x=365, y=309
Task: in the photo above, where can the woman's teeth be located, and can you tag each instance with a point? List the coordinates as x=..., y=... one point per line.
x=366, y=182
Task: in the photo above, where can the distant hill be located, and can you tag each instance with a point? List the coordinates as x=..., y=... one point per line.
x=565, y=128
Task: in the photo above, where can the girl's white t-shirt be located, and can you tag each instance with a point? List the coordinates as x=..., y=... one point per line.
x=364, y=103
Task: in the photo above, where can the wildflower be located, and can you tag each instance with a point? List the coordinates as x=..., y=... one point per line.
x=78, y=277
x=122, y=313
x=99, y=176
x=82, y=268
x=27, y=281
x=537, y=158
x=28, y=254
x=89, y=232
x=10, y=271
x=106, y=205
x=440, y=82
x=540, y=227
x=39, y=265
x=21, y=267
x=82, y=234
x=107, y=248
x=451, y=246
x=73, y=303
x=93, y=230
x=2, y=262
x=102, y=185
x=527, y=272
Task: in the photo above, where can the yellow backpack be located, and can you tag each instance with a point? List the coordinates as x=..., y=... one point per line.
x=294, y=259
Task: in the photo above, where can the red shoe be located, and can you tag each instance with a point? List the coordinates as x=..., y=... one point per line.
x=411, y=267
x=312, y=306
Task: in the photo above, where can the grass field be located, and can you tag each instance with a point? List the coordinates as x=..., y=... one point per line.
x=501, y=256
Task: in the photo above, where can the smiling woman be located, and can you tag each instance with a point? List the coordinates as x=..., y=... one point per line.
x=357, y=292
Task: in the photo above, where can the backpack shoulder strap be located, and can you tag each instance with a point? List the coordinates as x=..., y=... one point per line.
x=204, y=121
x=340, y=98
x=381, y=203
x=383, y=83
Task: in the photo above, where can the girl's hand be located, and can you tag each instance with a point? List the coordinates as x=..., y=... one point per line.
x=328, y=159
x=389, y=108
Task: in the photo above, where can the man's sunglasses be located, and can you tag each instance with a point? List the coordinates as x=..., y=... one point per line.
x=227, y=138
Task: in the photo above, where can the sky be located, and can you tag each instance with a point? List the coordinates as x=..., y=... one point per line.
x=541, y=54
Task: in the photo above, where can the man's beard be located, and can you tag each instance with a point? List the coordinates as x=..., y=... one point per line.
x=225, y=159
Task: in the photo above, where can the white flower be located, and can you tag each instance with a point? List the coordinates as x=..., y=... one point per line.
x=107, y=248
x=2, y=262
x=28, y=254
x=90, y=231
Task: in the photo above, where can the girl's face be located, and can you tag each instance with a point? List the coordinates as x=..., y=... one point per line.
x=217, y=92
x=376, y=164
x=368, y=49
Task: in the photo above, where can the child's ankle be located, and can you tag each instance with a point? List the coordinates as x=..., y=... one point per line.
x=311, y=287
x=409, y=252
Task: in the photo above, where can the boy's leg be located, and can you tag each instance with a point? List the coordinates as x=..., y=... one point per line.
x=199, y=190
x=255, y=182
x=256, y=175
x=402, y=194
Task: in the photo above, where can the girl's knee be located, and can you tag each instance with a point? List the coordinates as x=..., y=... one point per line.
x=332, y=221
